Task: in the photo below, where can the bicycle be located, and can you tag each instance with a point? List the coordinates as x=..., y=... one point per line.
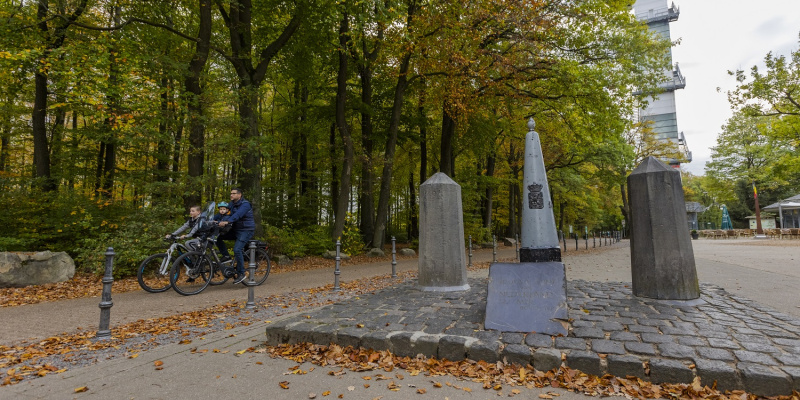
x=153, y=272
x=192, y=272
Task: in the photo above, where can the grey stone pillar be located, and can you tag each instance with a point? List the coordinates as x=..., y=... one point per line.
x=442, y=262
x=662, y=259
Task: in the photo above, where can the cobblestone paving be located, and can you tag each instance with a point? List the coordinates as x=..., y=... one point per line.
x=719, y=337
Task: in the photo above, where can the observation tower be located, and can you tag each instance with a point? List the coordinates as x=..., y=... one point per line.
x=661, y=112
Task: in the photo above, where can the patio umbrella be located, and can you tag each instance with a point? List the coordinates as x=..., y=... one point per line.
x=726, y=218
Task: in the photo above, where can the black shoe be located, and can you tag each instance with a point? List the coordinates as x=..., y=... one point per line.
x=240, y=279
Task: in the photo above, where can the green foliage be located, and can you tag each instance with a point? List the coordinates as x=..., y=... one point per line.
x=312, y=240
x=138, y=236
x=351, y=240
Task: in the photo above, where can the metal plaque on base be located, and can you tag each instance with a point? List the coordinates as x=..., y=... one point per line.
x=527, y=297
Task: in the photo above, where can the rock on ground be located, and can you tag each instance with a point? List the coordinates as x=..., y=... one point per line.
x=20, y=270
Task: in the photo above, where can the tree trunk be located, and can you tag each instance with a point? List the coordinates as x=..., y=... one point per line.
x=239, y=24
x=307, y=208
x=53, y=40
x=110, y=123
x=162, y=146
x=423, y=148
x=625, y=207
x=366, y=198
x=41, y=154
x=446, y=158
x=176, y=149
x=413, y=212
x=98, y=175
x=250, y=165
x=73, y=151
x=487, y=201
x=379, y=237
x=57, y=139
x=291, y=189
x=343, y=200
x=194, y=94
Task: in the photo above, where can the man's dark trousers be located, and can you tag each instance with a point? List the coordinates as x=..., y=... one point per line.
x=241, y=237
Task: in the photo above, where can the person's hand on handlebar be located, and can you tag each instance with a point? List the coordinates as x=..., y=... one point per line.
x=223, y=223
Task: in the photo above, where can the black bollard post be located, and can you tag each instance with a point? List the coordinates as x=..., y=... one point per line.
x=336, y=271
x=104, y=332
x=394, y=258
x=586, y=239
x=576, y=241
x=251, y=284
x=516, y=246
x=470, y=250
x=564, y=238
x=594, y=240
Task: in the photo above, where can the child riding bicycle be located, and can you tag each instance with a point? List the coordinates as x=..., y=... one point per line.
x=192, y=225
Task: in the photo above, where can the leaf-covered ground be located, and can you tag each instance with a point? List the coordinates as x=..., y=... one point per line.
x=33, y=359
x=86, y=285
x=497, y=377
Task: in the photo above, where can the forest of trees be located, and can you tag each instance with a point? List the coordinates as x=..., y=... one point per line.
x=116, y=115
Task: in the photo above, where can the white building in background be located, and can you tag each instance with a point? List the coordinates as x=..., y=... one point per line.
x=661, y=112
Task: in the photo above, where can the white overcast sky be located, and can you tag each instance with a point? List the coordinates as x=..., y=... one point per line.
x=717, y=36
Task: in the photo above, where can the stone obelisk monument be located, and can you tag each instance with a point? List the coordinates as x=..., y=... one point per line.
x=531, y=296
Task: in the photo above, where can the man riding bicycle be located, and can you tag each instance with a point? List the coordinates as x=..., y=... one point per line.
x=243, y=227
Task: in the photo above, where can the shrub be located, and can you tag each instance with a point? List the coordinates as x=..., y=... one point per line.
x=312, y=240
x=135, y=237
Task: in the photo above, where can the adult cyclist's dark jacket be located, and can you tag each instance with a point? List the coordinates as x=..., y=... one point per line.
x=242, y=216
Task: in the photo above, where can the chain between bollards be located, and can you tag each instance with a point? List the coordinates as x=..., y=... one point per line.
x=251, y=284
x=336, y=272
x=470, y=250
x=494, y=248
x=104, y=332
x=394, y=258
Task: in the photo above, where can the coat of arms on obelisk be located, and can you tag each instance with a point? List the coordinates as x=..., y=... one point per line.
x=535, y=198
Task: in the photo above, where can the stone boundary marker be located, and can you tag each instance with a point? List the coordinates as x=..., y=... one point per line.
x=719, y=337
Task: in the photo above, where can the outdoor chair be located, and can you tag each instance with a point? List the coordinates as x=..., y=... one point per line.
x=772, y=233
x=732, y=233
x=795, y=232
x=786, y=233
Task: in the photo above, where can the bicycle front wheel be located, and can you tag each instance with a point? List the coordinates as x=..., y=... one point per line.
x=190, y=273
x=263, y=265
x=153, y=273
